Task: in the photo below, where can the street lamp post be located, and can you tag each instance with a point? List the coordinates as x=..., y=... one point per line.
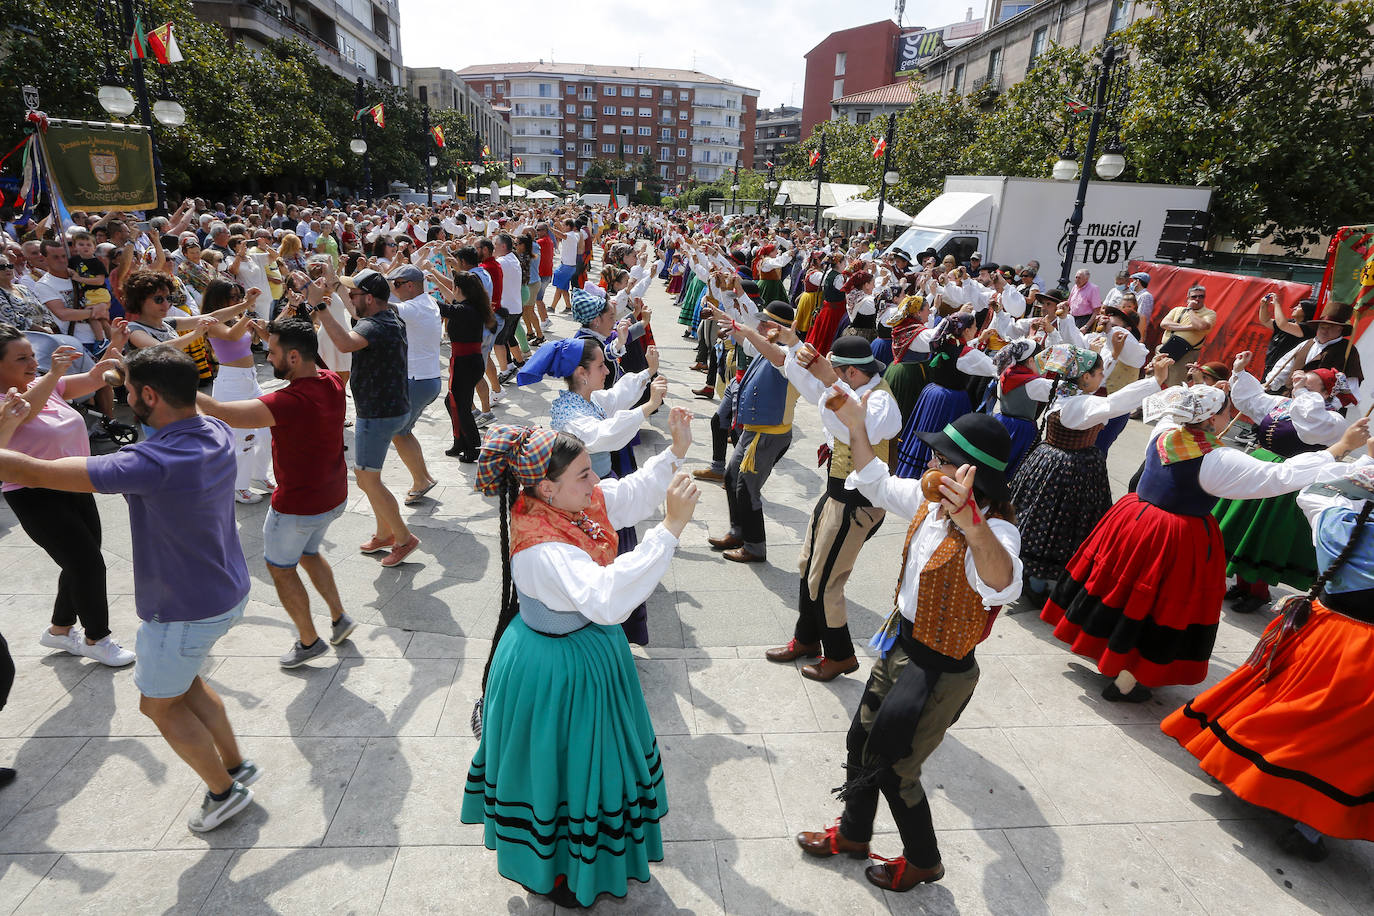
x=430, y=160
x=1109, y=96
x=889, y=177
x=117, y=101
x=359, y=142
x=734, y=191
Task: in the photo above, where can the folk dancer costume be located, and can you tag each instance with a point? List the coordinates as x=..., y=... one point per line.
x=1143, y=594
x=926, y=670
x=1268, y=541
x=843, y=519
x=1290, y=729
x=906, y=374
x=1336, y=354
x=768, y=267
x=567, y=780
x=826, y=325
x=766, y=403
x=1061, y=489
x=1123, y=358
x=1021, y=394
x=809, y=299
x=945, y=397
x=608, y=424
x=736, y=306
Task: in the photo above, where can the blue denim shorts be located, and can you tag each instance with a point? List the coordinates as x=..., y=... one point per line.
x=171, y=653
x=372, y=438
x=287, y=538
x=423, y=391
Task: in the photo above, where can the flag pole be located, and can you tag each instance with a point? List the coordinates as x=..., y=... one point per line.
x=820, y=178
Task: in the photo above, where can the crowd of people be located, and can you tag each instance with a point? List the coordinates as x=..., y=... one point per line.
x=971, y=400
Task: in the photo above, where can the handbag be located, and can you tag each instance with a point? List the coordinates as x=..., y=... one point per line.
x=1175, y=347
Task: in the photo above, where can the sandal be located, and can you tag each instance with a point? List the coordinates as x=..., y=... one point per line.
x=414, y=496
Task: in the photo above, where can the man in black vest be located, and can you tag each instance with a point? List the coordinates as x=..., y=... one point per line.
x=1329, y=349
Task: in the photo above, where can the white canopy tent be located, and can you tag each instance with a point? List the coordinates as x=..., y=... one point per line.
x=543, y=195
x=866, y=211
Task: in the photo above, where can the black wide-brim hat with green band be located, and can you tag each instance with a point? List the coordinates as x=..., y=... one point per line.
x=982, y=441
x=852, y=350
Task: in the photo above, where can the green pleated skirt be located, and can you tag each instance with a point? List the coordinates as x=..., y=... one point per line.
x=690, y=296
x=567, y=779
x=1267, y=540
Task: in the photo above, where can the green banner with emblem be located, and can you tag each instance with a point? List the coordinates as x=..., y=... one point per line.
x=97, y=168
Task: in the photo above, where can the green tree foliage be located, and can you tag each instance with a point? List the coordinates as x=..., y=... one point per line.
x=1268, y=101
x=275, y=119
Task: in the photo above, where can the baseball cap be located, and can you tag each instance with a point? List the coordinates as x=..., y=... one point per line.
x=370, y=282
x=406, y=273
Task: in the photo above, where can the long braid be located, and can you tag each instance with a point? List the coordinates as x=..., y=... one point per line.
x=1296, y=610
x=510, y=601
x=1045, y=414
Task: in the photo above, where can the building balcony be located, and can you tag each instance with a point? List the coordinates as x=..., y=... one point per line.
x=716, y=103
x=716, y=141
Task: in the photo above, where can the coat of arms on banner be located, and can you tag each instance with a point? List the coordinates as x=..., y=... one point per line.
x=105, y=167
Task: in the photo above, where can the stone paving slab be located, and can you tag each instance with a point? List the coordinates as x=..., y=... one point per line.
x=1047, y=799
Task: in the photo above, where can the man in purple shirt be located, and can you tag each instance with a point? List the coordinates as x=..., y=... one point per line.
x=190, y=578
x=1084, y=298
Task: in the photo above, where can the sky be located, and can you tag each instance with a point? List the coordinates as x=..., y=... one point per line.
x=756, y=43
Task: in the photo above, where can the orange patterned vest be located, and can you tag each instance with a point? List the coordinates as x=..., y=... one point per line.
x=949, y=617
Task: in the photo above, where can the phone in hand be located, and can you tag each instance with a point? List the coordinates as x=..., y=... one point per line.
x=143, y=225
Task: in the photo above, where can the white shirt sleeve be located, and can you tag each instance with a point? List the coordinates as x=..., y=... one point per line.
x=1313, y=423
x=882, y=421
x=976, y=362
x=1250, y=398
x=1314, y=503
x=809, y=388
x=609, y=434
x=898, y=495
x=1040, y=389
x=632, y=499
x=567, y=579
x=1231, y=474
x=623, y=394
x=1069, y=332
x=925, y=340
x=1086, y=411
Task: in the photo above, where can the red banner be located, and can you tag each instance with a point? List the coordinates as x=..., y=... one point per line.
x=1235, y=299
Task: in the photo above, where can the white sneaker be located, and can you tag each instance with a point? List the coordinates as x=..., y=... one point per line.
x=213, y=813
x=107, y=652
x=498, y=396
x=247, y=497
x=264, y=483
x=548, y=323
x=71, y=642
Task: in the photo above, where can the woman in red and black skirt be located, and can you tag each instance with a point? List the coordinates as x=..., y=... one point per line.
x=1292, y=729
x=1142, y=595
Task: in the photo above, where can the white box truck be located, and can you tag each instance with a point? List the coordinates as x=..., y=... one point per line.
x=1014, y=220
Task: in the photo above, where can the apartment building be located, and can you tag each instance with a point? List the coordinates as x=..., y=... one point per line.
x=353, y=37
x=444, y=89
x=563, y=117
x=775, y=131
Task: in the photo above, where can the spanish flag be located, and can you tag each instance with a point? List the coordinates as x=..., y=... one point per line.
x=438, y=133
x=378, y=114
x=486, y=150
x=163, y=44
x=815, y=156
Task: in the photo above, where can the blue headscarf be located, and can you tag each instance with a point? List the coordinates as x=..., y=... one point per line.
x=558, y=359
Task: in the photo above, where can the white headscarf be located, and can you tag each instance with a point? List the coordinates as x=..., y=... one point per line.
x=1184, y=404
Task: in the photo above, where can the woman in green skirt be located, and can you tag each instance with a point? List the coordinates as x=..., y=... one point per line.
x=567, y=780
x=1269, y=541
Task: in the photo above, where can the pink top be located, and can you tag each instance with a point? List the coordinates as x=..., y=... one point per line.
x=56, y=431
x=231, y=351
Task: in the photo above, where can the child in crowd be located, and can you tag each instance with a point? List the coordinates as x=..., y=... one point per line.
x=89, y=276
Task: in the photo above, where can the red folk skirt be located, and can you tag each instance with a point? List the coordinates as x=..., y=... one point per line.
x=827, y=323
x=1143, y=594
x=1301, y=744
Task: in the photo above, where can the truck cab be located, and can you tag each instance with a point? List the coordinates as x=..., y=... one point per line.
x=955, y=223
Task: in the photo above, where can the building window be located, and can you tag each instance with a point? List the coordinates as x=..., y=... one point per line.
x=608, y=109
x=681, y=151
x=682, y=170
x=1121, y=15
x=645, y=92
x=837, y=91
x=994, y=73
x=646, y=131
x=840, y=57
x=586, y=111
x=682, y=115
x=683, y=95
x=665, y=152
x=587, y=148
x=662, y=171
x=545, y=90
x=682, y=134
x=1038, y=42
x=572, y=109
x=572, y=90
x=627, y=129
x=571, y=128
x=646, y=113
x=958, y=82
x=863, y=117
x=665, y=134
x=608, y=128
x=608, y=90
x=627, y=112
x=628, y=92
x=608, y=147
x=588, y=93
x=641, y=150
x=486, y=90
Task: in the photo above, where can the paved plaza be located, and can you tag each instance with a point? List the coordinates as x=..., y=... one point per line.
x=1047, y=799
